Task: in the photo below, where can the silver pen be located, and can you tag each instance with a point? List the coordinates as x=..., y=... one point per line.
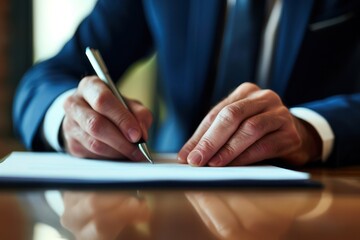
x=101, y=70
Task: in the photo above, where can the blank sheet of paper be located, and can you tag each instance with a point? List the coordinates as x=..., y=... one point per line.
x=52, y=167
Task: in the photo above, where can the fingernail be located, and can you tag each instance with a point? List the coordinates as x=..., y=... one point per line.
x=195, y=158
x=134, y=134
x=180, y=157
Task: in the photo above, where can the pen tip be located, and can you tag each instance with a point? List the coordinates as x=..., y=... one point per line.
x=145, y=151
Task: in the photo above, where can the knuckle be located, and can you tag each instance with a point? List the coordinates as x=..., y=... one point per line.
x=210, y=118
x=207, y=145
x=229, y=114
x=94, y=145
x=91, y=79
x=188, y=147
x=74, y=148
x=228, y=151
x=100, y=100
x=260, y=126
x=271, y=95
x=284, y=111
x=94, y=125
x=250, y=128
x=86, y=81
x=69, y=103
x=265, y=149
x=249, y=85
x=246, y=86
x=123, y=119
x=245, y=90
x=268, y=92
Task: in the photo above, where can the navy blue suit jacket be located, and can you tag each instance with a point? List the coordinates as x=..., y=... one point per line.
x=316, y=64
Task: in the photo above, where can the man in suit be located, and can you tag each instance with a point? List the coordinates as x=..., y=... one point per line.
x=284, y=83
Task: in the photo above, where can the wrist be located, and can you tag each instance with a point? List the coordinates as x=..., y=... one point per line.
x=311, y=142
x=322, y=127
x=310, y=146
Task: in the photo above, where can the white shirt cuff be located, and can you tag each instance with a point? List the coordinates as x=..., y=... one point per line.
x=55, y=201
x=321, y=125
x=53, y=118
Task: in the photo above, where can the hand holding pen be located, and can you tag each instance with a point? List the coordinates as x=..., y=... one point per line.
x=98, y=125
x=101, y=70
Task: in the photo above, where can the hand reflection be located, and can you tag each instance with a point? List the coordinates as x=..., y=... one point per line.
x=102, y=215
x=250, y=215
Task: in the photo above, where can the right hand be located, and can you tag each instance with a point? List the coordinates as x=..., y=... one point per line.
x=105, y=215
x=97, y=125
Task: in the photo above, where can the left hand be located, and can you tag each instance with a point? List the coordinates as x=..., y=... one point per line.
x=248, y=126
x=251, y=215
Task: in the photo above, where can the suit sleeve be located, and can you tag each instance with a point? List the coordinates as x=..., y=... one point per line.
x=118, y=28
x=343, y=114
x=327, y=79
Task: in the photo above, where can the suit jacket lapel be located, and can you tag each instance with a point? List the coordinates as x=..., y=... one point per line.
x=292, y=28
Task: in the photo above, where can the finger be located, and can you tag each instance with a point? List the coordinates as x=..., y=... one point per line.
x=226, y=123
x=82, y=208
x=216, y=215
x=99, y=148
x=249, y=132
x=273, y=145
x=199, y=132
x=76, y=149
x=105, y=137
x=241, y=92
x=108, y=223
x=74, y=216
x=80, y=144
x=260, y=219
x=103, y=101
x=143, y=116
x=72, y=141
x=222, y=129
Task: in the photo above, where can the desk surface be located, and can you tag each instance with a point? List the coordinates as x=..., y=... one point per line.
x=332, y=212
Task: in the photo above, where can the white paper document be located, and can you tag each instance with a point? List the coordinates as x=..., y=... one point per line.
x=63, y=167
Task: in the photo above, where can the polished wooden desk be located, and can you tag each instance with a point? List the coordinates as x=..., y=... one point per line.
x=332, y=212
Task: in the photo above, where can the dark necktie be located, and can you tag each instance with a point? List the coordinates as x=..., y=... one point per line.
x=240, y=46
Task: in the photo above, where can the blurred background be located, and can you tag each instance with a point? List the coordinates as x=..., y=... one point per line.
x=34, y=30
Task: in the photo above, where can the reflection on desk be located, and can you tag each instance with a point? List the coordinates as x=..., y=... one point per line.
x=329, y=213
x=13, y=219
